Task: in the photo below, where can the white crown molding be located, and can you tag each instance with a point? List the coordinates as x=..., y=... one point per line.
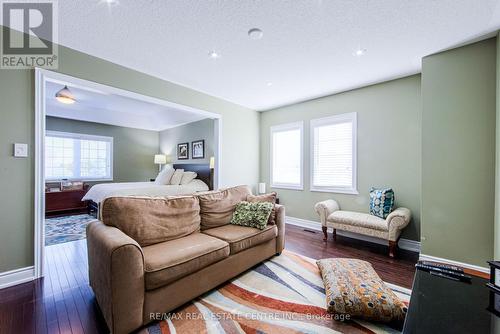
x=17, y=276
x=424, y=257
x=405, y=244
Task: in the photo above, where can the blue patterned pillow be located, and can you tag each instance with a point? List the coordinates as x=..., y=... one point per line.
x=381, y=202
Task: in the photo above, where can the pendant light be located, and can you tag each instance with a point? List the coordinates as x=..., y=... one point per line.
x=65, y=96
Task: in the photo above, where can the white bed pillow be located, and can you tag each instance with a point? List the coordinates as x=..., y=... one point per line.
x=177, y=177
x=165, y=175
x=188, y=177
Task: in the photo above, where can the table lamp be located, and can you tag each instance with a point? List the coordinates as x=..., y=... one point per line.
x=160, y=159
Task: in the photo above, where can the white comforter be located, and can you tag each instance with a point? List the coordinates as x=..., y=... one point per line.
x=99, y=192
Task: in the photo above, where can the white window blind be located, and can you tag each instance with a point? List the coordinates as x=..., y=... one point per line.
x=333, y=154
x=286, y=156
x=75, y=156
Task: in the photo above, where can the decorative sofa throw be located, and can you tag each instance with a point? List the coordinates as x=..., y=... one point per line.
x=381, y=202
x=353, y=287
x=252, y=214
x=270, y=198
x=150, y=220
x=217, y=207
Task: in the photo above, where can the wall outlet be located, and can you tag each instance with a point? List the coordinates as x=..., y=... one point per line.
x=20, y=150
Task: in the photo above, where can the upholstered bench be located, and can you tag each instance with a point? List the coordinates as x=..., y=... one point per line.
x=363, y=223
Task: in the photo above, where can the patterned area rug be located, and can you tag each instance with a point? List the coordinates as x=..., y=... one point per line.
x=68, y=228
x=282, y=295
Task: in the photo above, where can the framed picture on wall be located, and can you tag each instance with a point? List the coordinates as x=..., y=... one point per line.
x=183, y=151
x=198, y=149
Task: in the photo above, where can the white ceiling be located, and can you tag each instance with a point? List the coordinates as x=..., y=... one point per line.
x=306, y=50
x=99, y=107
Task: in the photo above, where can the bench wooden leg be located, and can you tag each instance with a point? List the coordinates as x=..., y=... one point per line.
x=325, y=232
x=335, y=234
x=393, y=245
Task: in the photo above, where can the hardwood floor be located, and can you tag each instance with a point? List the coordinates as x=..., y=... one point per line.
x=63, y=302
x=399, y=271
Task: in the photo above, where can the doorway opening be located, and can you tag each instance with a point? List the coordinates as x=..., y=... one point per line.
x=94, y=141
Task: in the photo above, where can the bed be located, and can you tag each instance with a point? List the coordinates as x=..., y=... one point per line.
x=99, y=192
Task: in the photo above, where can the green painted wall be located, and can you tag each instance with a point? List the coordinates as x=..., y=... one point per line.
x=389, y=123
x=187, y=133
x=458, y=153
x=133, y=149
x=240, y=128
x=497, y=162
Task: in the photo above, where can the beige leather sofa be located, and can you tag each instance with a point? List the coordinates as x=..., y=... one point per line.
x=151, y=255
x=363, y=223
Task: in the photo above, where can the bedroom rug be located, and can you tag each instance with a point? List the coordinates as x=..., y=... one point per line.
x=282, y=295
x=68, y=228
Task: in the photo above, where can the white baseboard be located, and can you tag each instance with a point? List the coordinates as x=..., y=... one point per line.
x=425, y=257
x=406, y=244
x=16, y=276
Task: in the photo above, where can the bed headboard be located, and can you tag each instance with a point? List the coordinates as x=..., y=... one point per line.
x=203, y=171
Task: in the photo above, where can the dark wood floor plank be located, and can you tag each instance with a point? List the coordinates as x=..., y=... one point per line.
x=63, y=302
x=399, y=271
x=68, y=285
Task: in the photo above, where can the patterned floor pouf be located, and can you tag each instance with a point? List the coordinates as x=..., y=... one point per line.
x=353, y=288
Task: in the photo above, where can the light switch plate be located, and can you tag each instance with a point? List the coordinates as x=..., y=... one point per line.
x=20, y=150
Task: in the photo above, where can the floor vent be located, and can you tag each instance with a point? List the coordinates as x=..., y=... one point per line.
x=310, y=231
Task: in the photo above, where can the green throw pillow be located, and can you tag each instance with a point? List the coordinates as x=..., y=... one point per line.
x=252, y=214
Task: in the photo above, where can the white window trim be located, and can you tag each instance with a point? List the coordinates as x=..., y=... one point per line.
x=82, y=136
x=351, y=117
x=284, y=127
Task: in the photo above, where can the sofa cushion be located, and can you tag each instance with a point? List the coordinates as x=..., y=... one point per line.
x=252, y=214
x=381, y=202
x=353, y=287
x=150, y=220
x=216, y=207
x=358, y=219
x=242, y=237
x=168, y=261
x=271, y=198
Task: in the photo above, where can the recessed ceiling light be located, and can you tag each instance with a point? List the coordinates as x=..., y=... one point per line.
x=269, y=84
x=359, y=52
x=111, y=2
x=213, y=54
x=255, y=33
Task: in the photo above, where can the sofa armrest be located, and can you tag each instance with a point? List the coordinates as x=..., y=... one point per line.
x=116, y=274
x=280, y=224
x=326, y=208
x=397, y=220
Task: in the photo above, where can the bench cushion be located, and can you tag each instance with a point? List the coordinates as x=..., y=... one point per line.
x=242, y=237
x=358, y=219
x=353, y=287
x=168, y=261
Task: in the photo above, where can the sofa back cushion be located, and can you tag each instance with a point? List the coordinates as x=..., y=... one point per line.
x=217, y=207
x=150, y=220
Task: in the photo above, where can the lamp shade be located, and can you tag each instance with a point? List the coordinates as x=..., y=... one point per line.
x=160, y=159
x=65, y=96
x=262, y=188
x=212, y=162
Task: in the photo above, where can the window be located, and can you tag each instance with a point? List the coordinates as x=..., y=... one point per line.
x=76, y=156
x=286, y=156
x=333, y=154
